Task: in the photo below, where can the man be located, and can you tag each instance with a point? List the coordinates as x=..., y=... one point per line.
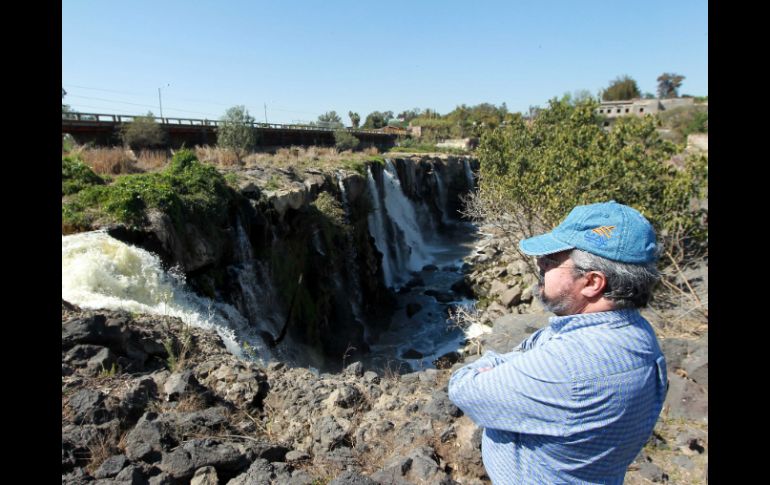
x=577, y=400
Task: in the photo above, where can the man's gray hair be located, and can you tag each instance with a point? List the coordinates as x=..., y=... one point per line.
x=628, y=285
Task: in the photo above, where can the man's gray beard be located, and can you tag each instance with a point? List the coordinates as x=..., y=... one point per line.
x=560, y=305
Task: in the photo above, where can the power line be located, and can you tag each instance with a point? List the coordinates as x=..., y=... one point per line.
x=142, y=105
x=218, y=103
x=105, y=90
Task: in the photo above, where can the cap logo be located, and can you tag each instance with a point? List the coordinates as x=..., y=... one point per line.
x=599, y=236
x=605, y=231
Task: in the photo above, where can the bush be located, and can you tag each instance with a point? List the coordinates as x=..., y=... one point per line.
x=186, y=190
x=143, y=133
x=236, y=131
x=345, y=140
x=76, y=175
x=532, y=175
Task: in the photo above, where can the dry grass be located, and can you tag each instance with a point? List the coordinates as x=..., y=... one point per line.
x=220, y=157
x=108, y=161
x=310, y=157
x=102, y=447
x=191, y=402
x=152, y=160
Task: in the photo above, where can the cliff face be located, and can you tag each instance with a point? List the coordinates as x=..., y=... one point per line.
x=296, y=255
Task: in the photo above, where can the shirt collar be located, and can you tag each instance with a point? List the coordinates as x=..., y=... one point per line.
x=568, y=323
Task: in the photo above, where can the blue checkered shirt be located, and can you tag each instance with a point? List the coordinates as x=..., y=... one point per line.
x=574, y=403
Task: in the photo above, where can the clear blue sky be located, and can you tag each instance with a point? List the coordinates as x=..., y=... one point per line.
x=302, y=58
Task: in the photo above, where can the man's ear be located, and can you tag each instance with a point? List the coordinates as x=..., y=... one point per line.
x=595, y=283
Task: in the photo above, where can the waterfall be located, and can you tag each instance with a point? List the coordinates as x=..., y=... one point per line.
x=344, y=196
x=353, y=256
x=442, y=196
x=468, y=174
x=376, y=220
x=402, y=214
x=100, y=272
x=258, y=301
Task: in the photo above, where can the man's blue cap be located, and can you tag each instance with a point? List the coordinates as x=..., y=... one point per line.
x=608, y=229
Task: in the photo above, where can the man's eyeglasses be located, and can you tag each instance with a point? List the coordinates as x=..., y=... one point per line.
x=549, y=262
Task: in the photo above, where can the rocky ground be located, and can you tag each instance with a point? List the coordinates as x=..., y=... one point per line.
x=147, y=399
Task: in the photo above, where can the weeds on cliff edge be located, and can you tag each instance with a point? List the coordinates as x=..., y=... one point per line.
x=102, y=446
x=104, y=373
x=178, y=350
x=347, y=353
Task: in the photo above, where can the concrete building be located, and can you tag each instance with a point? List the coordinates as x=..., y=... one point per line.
x=639, y=107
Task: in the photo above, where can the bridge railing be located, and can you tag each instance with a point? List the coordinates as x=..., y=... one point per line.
x=119, y=119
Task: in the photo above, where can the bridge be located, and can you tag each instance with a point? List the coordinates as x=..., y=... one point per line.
x=104, y=130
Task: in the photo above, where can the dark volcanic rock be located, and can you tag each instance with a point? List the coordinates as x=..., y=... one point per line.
x=352, y=478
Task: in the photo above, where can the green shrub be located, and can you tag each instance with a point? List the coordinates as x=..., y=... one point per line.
x=359, y=164
x=186, y=190
x=76, y=175
x=532, y=175
x=143, y=133
x=345, y=140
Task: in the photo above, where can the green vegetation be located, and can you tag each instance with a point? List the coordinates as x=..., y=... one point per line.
x=377, y=119
x=143, y=133
x=532, y=175
x=330, y=119
x=684, y=120
x=76, y=176
x=344, y=140
x=112, y=371
x=67, y=143
x=187, y=190
x=275, y=182
x=463, y=122
x=177, y=350
x=359, y=164
x=622, y=88
x=355, y=119
x=668, y=85
x=331, y=209
x=236, y=132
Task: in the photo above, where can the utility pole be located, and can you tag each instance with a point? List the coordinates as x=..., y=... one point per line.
x=265, y=113
x=160, y=103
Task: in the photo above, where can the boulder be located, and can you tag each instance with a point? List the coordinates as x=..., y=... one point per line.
x=206, y=475
x=511, y=296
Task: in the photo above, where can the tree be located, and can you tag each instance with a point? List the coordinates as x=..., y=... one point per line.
x=409, y=115
x=622, y=88
x=668, y=85
x=236, y=131
x=377, y=119
x=355, y=118
x=65, y=108
x=143, y=133
x=330, y=119
x=344, y=140
x=581, y=96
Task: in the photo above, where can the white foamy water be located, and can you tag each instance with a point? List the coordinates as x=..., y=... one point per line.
x=403, y=215
x=100, y=272
x=468, y=173
x=376, y=220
